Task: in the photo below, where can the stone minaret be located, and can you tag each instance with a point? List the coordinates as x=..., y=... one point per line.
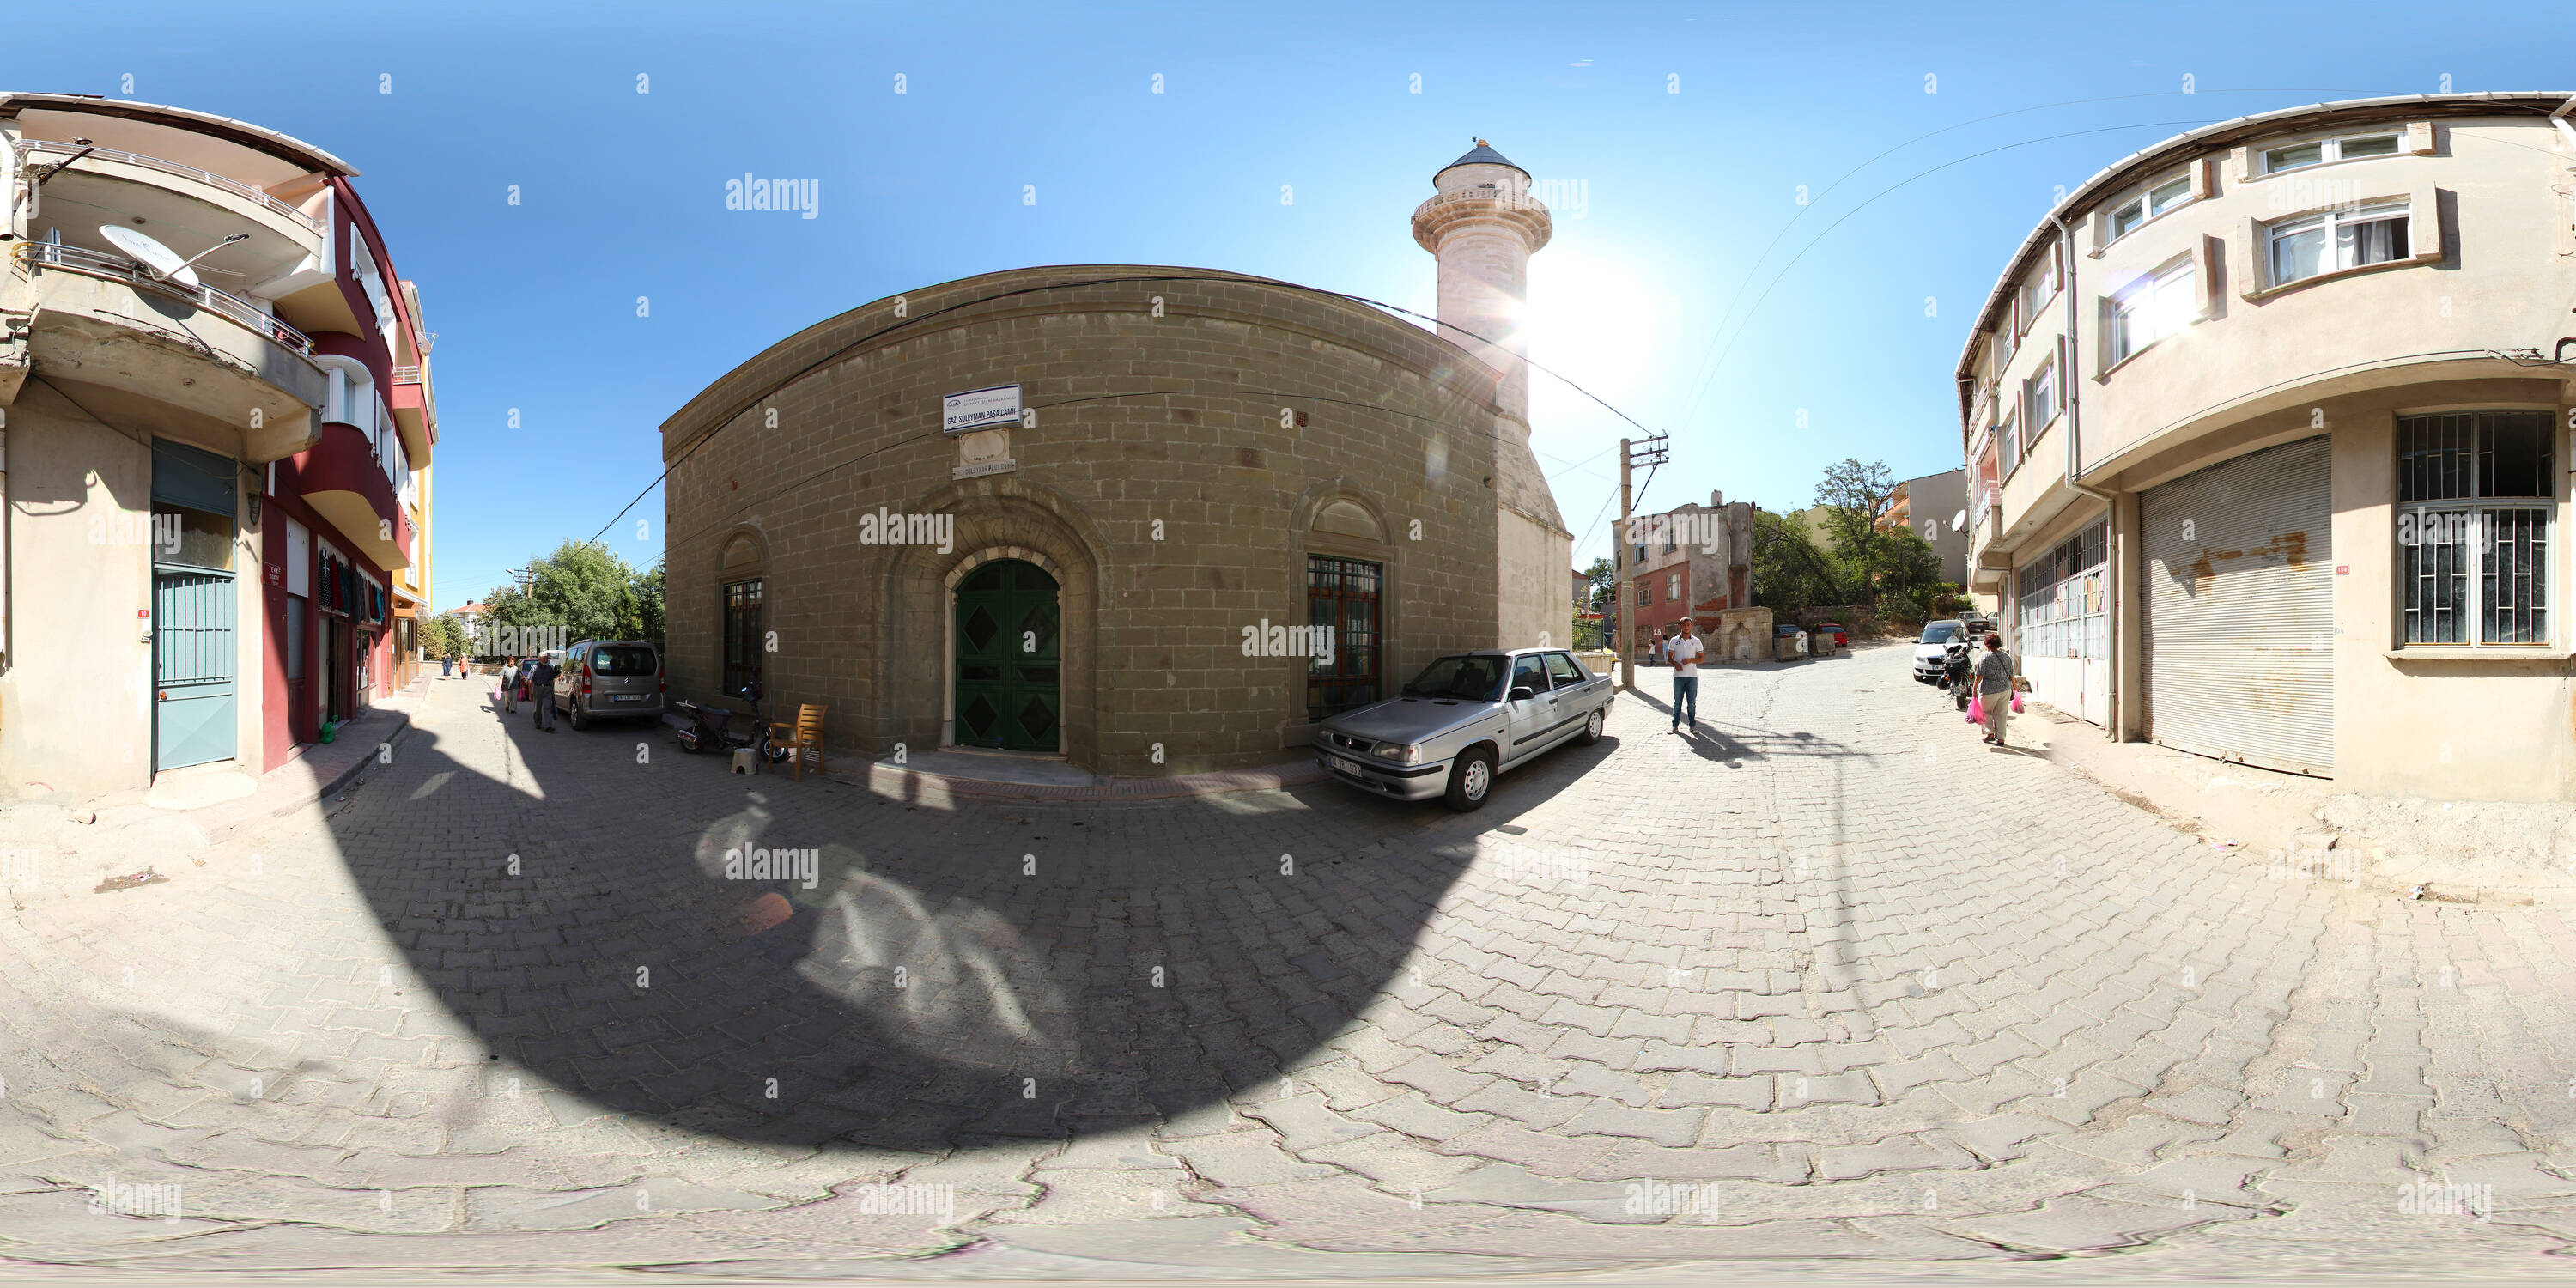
x=1483, y=224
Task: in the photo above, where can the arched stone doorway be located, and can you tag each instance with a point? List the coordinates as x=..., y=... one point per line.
x=1009, y=641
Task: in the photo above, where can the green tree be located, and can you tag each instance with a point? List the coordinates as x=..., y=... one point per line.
x=639, y=613
x=443, y=637
x=1603, y=592
x=1604, y=576
x=1789, y=572
x=1910, y=584
x=1855, y=496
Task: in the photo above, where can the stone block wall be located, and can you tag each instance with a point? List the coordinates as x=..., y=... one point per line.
x=1158, y=484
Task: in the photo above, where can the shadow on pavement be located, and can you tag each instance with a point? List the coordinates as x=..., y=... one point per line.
x=788, y=962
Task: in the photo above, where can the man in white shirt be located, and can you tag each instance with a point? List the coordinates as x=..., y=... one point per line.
x=1684, y=651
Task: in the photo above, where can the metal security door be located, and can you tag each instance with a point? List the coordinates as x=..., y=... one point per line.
x=192, y=667
x=1009, y=639
x=2239, y=564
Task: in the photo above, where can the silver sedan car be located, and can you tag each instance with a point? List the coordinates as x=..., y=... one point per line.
x=1466, y=718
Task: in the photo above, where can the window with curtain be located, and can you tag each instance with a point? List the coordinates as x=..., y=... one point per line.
x=2475, y=505
x=2338, y=239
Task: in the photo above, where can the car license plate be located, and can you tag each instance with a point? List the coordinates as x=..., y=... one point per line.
x=1346, y=766
x=630, y=697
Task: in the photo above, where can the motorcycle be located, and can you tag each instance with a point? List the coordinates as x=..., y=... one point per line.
x=1954, y=677
x=710, y=728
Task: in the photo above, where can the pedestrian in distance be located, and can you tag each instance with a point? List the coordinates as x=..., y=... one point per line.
x=541, y=691
x=1684, y=651
x=509, y=683
x=1995, y=673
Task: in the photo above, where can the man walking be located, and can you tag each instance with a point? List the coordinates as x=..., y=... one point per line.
x=541, y=690
x=1684, y=652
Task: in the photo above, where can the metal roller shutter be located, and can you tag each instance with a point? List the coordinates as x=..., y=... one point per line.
x=2239, y=628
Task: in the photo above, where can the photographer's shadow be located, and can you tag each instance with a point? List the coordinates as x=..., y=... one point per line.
x=795, y=963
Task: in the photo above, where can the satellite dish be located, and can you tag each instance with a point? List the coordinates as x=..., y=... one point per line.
x=164, y=262
x=1959, y=521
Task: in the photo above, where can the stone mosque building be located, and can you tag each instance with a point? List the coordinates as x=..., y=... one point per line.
x=1076, y=510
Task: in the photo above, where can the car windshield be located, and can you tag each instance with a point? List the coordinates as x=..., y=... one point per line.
x=1940, y=632
x=621, y=659
x=1464, y=676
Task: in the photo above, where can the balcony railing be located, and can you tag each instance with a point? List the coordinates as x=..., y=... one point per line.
x=428, y=396
x=234, y=186
x=118, y=268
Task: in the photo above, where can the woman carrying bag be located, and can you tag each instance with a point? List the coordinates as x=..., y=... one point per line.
x=1995, y=684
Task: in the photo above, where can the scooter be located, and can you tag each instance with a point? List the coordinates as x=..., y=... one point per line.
x=1954, y=672
x=710, y=728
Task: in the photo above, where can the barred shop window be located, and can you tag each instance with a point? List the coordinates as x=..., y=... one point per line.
x=742, y=636
x=1342, y=594
x=2475, y=506
x=2061, y=610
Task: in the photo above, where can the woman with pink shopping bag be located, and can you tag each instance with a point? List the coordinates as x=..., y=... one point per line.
x=1996, y=699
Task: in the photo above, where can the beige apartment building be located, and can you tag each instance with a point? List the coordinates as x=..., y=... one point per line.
x=2267, y=440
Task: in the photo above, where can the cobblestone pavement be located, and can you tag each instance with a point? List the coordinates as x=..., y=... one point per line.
x=1826, y=981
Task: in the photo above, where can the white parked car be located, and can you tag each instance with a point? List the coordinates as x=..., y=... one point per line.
x=1466, y=718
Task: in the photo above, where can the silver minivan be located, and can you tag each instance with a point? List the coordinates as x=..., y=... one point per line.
x=610, y=679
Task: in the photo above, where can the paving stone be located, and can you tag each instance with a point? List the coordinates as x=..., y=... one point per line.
x=1549, y=1057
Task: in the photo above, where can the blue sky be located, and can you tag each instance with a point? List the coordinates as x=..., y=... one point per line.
x=1656, y=294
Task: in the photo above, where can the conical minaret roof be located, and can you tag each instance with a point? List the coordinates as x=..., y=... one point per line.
x=1482, y=154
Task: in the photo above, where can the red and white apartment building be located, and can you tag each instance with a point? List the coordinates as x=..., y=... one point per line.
x=216, y=431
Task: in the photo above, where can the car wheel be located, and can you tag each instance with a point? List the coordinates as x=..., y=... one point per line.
x=580, y=721
x=1471, y=780
x=1591, y=729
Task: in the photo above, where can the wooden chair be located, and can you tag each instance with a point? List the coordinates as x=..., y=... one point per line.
x=803, y=735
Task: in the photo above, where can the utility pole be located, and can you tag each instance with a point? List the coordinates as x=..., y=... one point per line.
x=1619, y=576
x=1649, y=451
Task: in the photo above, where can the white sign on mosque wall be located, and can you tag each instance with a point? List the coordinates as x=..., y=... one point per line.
x=980, y=409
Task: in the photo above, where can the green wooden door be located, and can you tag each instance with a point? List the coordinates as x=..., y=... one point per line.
x=1009, y=649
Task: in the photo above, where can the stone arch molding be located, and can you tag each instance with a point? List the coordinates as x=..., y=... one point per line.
x=1327, y=508
x=748, y=538
x=977, y=559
